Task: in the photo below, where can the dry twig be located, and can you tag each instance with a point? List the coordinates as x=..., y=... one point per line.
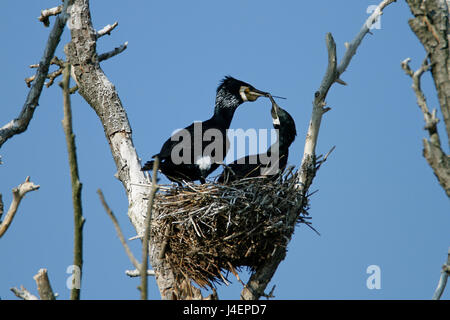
x=128, y=251
x=23, y=293
x=107, y=30
x=45, y=14
x=18, y=194
x=433, y=153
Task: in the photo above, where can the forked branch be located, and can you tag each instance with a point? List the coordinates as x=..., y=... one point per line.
x=18, y=193
x=262, y=276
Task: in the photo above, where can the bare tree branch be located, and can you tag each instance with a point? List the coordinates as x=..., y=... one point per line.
x=431, y=25
x=20, y=124
x=45, y=14
x=137, y=273
x=75, y=180
x=18, y=194
x=130, y=255
x=261, y=277
x=43, y=285
x=1, y=207
x=112, y=53
x=107, y=30
x=24, y=294
x=433, y=153
x=445, y=272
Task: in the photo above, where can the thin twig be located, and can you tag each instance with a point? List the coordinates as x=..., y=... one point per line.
x=18, y=193
x=118, y=230
x=75, y=180
x=145, y=240
x=112, y=53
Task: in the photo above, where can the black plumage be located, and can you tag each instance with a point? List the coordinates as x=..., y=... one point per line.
x=258, y=165
x=190, y=154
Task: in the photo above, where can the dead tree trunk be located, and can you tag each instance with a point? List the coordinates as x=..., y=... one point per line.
x=101, y=95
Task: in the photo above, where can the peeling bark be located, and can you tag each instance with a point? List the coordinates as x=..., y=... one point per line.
x=101, y=95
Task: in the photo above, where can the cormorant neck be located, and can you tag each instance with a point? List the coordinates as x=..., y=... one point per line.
x=226, y=105
x=282, y=141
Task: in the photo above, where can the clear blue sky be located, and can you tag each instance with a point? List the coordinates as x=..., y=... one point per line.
x=378, y=201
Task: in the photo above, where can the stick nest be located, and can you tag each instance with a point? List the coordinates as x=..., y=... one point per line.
x=210, y=229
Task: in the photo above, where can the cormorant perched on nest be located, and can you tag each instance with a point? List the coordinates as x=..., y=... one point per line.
x=193, y=158
x=259, y=165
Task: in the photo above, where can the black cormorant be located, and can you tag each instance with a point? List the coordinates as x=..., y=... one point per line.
x=270, y=162
x=194, y=152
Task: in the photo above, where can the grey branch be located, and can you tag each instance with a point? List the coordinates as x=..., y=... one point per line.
x=24, y=294
x=112, y=53
x=45, y=14
x=137, y=273
x=432, y=151
x=20, y=124
x=118, y=230
x=106, y=30
x=445, y=272
x=43, y=285
x=261, y=277
x=18, y=194
x=431, y=26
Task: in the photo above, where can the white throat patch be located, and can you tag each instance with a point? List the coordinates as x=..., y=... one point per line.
x=242, y=93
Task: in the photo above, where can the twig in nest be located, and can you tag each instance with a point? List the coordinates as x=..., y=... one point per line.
x=223, y=227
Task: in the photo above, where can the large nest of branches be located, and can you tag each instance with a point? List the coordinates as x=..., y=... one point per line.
x=211, y=229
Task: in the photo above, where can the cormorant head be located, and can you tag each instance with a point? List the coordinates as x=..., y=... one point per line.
x=283, y=121
x=239, y=90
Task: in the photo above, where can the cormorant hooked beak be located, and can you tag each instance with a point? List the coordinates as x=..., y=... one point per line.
x=274, y=111
x=251, y=94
